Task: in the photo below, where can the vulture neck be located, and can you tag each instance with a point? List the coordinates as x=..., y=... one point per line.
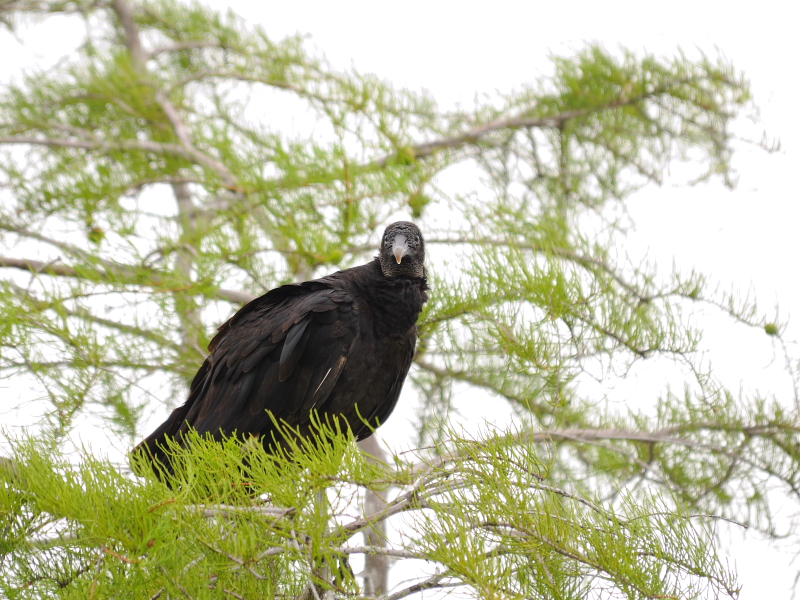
x=395, y=301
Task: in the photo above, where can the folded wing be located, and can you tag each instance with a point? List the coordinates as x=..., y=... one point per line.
x=280, y=355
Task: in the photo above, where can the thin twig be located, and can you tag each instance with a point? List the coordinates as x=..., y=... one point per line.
x=430, y=583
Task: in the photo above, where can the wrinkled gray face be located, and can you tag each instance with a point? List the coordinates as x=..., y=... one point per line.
x=403, y=251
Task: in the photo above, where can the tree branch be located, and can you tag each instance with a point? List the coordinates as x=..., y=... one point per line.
x=431, y=583
x=184, y=45
x=139, y=59
x=665, y=436
x=87, y=315
x=34, y=266
x=376, y=564
x=132, y=40
x=570, y=255
x=519, y=122
x=431, y=147
x=426, y=149
x=190, y=154
x=215, y=510
x=189, y=314
x=97, y=144
x=126, y=272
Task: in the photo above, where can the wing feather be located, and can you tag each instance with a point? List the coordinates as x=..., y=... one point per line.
x=324, y=388
x=256, y=357
x=281, y=354
x=293, y=348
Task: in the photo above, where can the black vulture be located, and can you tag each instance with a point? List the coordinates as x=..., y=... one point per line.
x=341, y=345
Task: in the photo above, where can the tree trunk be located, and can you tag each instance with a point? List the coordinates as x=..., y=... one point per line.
x=376, y=568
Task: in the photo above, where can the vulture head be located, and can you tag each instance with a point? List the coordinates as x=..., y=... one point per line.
x=403, y=251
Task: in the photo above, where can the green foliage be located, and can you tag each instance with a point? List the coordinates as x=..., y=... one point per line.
x=146, y=192
x=533, y=288
x=487, y=516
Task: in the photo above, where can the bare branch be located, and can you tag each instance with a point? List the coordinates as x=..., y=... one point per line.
x=34, y=266
x=183, y=136
x=429, y=148
x=216, y=510
x=234, y=296
x=398, y=506
x=122, y=271
x=510, y=123
x=55, y=142
x=189, y=315
x=379, y=551
x=132, y=40
x=432, y=147
x=175, y=120
x=139, y=58
x=185, y=45
x=238, y=76
x=376, y=564
x=191, y=154
x=97, y=144
x=430, y=583
x=667, y=435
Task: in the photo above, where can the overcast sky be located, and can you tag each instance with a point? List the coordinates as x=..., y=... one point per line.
x=743, y=238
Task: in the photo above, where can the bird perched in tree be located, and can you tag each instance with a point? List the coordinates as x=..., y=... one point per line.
x=341, y=345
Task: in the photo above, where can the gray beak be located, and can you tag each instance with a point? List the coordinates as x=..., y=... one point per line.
x=399, y=248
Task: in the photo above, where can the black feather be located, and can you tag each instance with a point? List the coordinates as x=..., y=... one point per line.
x=341, y=345
x=293, y=348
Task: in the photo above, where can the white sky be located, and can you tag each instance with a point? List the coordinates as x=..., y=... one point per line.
x=745, y=238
